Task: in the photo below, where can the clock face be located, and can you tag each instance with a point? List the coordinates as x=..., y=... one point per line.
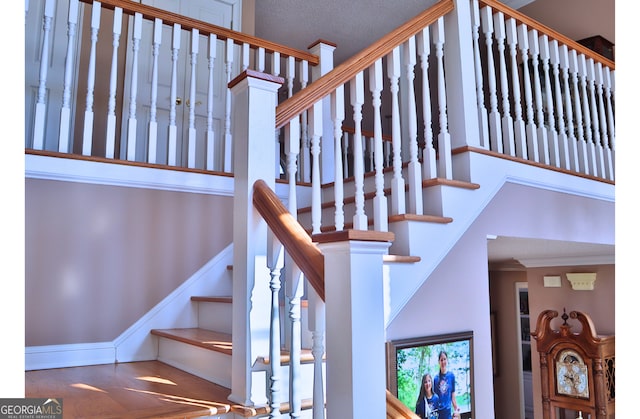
x=572, y=378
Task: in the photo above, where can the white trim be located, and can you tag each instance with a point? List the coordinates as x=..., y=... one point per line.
x=73, y=355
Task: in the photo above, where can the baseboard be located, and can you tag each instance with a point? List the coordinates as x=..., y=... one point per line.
x=73, y=355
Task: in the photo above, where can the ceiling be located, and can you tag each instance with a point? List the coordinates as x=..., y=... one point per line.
x=355, y=24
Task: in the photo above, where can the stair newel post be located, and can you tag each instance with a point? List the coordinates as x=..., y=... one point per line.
x=41, y=105
x=317, y=325
x=414, y=169
x=337, y=115
x=518, y=125
x=113, y=80
x=324, y=50
x=397, y=182
x=357, y=101
x=275, y=262
x=495, y=126
x=254, y=98
x=541, y=131
x=552, y=133
x=354, y=298
x=65, y=112
x=380, y=216
x=445, y=169
x=482, y=111
x=153, y=122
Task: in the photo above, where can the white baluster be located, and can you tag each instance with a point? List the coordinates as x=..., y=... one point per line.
x=153, y=121
x=133, y=122
x=345, y=155
x=602, y=117
x=211, y=145
x=337, y=115
x=380, y=212
x=290, y=74
x=173, y=129
x=294, y=285
x=41, y=105
x=543, y=142
x=552, y=133
x=397, y=182
x=566, y=150
x=191, y=145
x=370, y=147
x=357, y=100
x=507, y=121
x=414, y=169
x=315, y=132
x=275, y=261
x=317, y=325
x=586, y=114
x=429, y=169
x=495, y=126
x=445, y=169
x=482, y=111
x=291, y=150
x=579, y=147
x=305, y=166
x=246, y=49
x=531, y=129
x=594, y=146
x=65, y=111
x=518, y=124
x=275, y=70
x=227, y=114
x=260, y=59
x=113, y=81
x=610, y=145
x=87, y=136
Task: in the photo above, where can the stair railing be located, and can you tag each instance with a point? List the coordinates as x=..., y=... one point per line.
x=557, y=97
x=88, y=96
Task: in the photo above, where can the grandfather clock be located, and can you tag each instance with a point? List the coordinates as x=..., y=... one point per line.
x=577, y=369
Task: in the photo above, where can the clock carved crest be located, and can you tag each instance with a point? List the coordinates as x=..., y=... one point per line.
x=577, y=369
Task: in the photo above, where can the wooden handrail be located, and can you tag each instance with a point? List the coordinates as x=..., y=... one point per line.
x=397, y=410
x=545, y=30
x=344, y=72
x=291, y=234
x=149, y=12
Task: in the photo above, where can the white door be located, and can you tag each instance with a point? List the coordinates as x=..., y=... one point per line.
x=225, y=13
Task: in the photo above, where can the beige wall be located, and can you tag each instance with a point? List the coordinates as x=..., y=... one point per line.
x=97, y=258
x=598, y=304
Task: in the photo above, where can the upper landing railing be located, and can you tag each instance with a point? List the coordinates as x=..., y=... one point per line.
x=125, y=81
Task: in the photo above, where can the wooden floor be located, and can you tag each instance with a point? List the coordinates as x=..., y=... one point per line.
x=149, y=389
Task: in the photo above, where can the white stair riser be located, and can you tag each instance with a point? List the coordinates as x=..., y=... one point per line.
x=215, y=316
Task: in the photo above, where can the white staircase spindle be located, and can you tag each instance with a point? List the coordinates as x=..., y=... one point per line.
x=290, y=74
x=602, y=118
x=246, y=50
x=113, y=80
x=292, y=149
x=530, y=128
x=397, y=182
x=594, y=147
x=552, y=133
x=305, y=166
x=445, y=169
x=133, y=122
x=609, y=145
x=315, y=132
x=317, y=325
x=152, y=153
x=173, y=129
x=275, y=71
x=211, y=135
x=191, y=145
x=429, y=169
x=357, y=100
x=579, y=146
x=87, y=136
x=260, y=59
x=563, y=141
x=380, y=212
x=227, y=114
x=507, y=120
x=65, y=112
x=345, y=155
x=41, y=104
x=414, y=169
x=495, y=126
x=275, y=262
x=294, y=286
x=482, y=111
x=586, y=147
x=337, y=116
x=568, y=157
x=543, y=142
x=518, y=124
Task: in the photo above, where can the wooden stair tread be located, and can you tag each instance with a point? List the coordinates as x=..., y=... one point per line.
x=251, y=411
x=207, y=339
x=400, y=259
x=212, y=299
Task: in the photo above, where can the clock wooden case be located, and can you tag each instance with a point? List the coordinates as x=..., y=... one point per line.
x=577, y=369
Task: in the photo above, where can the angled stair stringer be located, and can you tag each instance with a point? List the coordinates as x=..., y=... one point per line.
x=176, y=310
